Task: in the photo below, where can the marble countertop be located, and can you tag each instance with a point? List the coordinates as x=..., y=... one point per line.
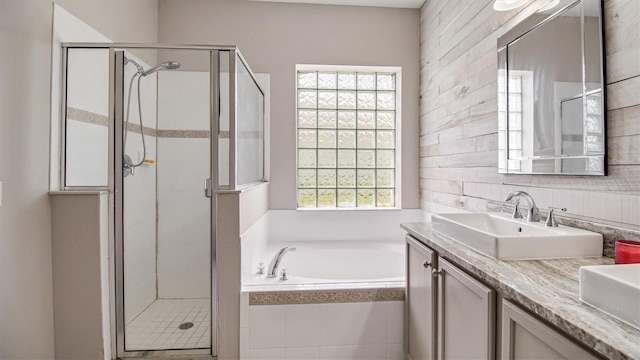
x=547, y=288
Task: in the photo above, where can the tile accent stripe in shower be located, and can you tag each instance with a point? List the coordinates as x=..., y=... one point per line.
x=156, y=328
x=103, y=120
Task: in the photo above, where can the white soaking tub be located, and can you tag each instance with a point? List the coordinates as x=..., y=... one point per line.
x=364, y=263
x=344, y=296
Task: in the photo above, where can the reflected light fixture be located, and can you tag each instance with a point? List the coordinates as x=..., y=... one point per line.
x=506, y=5
x=550, y=5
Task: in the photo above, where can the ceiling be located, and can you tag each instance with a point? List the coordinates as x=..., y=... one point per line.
x=412, y=4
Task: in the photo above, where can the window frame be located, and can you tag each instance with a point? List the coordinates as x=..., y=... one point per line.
x=397, y=191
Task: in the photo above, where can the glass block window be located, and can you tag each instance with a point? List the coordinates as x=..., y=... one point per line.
x=346, y=129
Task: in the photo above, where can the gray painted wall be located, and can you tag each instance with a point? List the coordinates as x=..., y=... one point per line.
x=274, y=37
x=26, y=303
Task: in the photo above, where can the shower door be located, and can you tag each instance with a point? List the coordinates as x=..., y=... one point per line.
x=166, y=106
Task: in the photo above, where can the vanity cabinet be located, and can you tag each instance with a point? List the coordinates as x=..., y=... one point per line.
x=465, y=315
x=421, y=301
x=525, y=337
x=450, y=315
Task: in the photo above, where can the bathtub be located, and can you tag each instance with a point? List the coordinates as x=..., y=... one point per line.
x=344, y=296
x=366, y=263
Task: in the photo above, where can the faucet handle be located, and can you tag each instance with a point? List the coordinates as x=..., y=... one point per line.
x=260, y=268
x=516, y=211
x=551, y=218
x=284, y=275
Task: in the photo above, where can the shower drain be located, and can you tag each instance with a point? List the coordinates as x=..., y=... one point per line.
x=185, y=326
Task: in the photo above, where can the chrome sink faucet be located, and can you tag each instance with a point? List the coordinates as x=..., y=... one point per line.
x=275, y=262
x=532, y=214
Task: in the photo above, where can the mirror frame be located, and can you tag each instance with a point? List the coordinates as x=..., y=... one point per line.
x=506, y=165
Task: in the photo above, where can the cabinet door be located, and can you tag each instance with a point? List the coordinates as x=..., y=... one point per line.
x=525, y=337
x=420, y=301
x=466, y=311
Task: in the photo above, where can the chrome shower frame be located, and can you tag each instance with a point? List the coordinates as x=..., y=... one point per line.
x=116, y=178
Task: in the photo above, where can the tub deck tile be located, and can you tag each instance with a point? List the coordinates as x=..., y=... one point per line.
x=326, y=296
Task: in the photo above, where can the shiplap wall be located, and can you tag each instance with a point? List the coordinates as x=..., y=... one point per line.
x=458, y=116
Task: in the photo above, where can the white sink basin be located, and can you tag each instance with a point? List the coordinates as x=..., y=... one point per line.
x=614, y=289
x=499, y=236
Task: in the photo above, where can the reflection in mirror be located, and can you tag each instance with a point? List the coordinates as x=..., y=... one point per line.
x=550, y=92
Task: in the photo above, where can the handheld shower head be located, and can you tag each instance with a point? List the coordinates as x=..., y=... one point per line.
x=168, y=65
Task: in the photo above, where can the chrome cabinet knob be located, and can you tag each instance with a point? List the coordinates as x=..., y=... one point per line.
x=426, y=264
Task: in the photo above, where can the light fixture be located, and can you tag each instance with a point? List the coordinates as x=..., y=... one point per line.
x=550, y=5
x=506, y=5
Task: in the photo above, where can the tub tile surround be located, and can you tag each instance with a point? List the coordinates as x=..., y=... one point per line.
x=547, y=288
x=364, y=330
x=326, y=296
x=344, y=320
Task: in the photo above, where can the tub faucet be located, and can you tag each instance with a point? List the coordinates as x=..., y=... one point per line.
x=532, y=214
x=275, y=262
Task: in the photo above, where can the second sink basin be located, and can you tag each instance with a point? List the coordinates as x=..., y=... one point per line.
x=614, y=289
x=499, y=236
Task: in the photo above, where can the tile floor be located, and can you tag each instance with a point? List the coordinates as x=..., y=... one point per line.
x=156, y=328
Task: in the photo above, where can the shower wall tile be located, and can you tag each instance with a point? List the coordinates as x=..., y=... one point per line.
x=266, y=354
x=355, y=352
x=140, y=229
x=183, y=100
x=184, y=252
x=139, y=260
x=395, y=351
x=311, y=353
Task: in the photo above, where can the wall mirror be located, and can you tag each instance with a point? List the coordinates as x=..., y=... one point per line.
x=551, y=92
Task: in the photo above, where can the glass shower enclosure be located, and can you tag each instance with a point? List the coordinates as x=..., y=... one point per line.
x=161, y=128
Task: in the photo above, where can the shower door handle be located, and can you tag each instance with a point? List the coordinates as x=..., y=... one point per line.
x=208, y=189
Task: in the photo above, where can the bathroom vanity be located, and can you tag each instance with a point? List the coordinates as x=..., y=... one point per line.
x=462, y=304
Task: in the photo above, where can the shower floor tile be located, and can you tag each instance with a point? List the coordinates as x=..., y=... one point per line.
x=157, y=327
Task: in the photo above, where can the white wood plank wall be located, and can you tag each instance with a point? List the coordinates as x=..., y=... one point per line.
x=458, y=115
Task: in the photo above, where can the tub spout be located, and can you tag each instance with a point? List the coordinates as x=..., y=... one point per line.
x=275, y=262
